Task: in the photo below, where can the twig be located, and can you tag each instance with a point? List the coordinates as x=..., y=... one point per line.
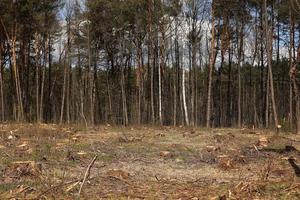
x=157, y=178
x=255, y=147
x=62, y=184
x=87, y=173
x=55, y=187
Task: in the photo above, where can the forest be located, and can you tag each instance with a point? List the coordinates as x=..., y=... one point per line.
x=167, y=62
x=123, y=89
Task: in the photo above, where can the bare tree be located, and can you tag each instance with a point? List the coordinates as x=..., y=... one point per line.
x=211, y=66
x=269, y=48
x=1, y=83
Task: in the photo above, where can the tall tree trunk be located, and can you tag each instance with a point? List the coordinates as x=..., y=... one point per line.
x=90, y=78
x=269, y=47
x=41, y=111
x=68, y=69
x=278, y=41
x=267, y=111
x=63, y=93
x=151, y=58
x=211, y=67
x=160, y=88
x=186, y=116
x=240, y=64
x=229, y=86
x=193, y=90
x=139, y=81
x=110, y=113
x=296, y=89
x=293, y=74
x=37, y=69
x=20, y=114
x=292, y=59
x=1, y=83
x=124, y=102
x=262, y=66
x=175, y=97
x=13, y=63
x=161, y=67
x=49, y=102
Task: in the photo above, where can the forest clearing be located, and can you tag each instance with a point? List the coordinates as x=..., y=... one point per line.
x=50, y=162
x=150, y=99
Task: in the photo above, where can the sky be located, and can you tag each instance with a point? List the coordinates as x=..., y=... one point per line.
x=249, y=44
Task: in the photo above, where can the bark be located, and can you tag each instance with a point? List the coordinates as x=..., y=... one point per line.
x=11, y=45
x=1, y=84
x=49, y=102
x=151, y=58
x=160, y=69
x=90, y=78
x=296, y=90
x=124, y=102
x=292, y=59
x=139, y=82
x=68, y=73
x=211, y=67
x=193, y=90
x=293, y=73
x=20, y=114
x=240, y=64
x=41, y=111
x=176, y=75
x=267, y=113
x=175, y=97
x=229, y=86
x=186, y=116
x=262, y=66
x=63, y=93
x=160, y=91
x=37, y=69
x=110, y=114
x=269, y=47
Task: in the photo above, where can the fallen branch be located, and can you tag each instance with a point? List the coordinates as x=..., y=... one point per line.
x=87, y=174
x=60, y=185
x=54, y=188
x=257, y=150
x=158, y=180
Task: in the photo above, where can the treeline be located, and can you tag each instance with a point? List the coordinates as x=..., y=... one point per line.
x=169, y=62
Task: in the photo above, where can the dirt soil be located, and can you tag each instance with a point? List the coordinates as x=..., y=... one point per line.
x=50, y=162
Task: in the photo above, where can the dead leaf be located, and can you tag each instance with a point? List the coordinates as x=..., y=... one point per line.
x=212, y=148
x=82, y=153
x=60, y=145
x=11, y=137
x=29, y=151
x=23, y=168
x=24, y=144
x=160, y=135
x=262, y=142
x=225, y=162
x=118, y=174
x=71, y=187
x=165, y=154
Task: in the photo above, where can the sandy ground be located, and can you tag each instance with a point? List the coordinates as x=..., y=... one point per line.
x=50, y=161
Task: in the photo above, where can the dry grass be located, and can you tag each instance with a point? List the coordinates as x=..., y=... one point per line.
x=49, y=162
